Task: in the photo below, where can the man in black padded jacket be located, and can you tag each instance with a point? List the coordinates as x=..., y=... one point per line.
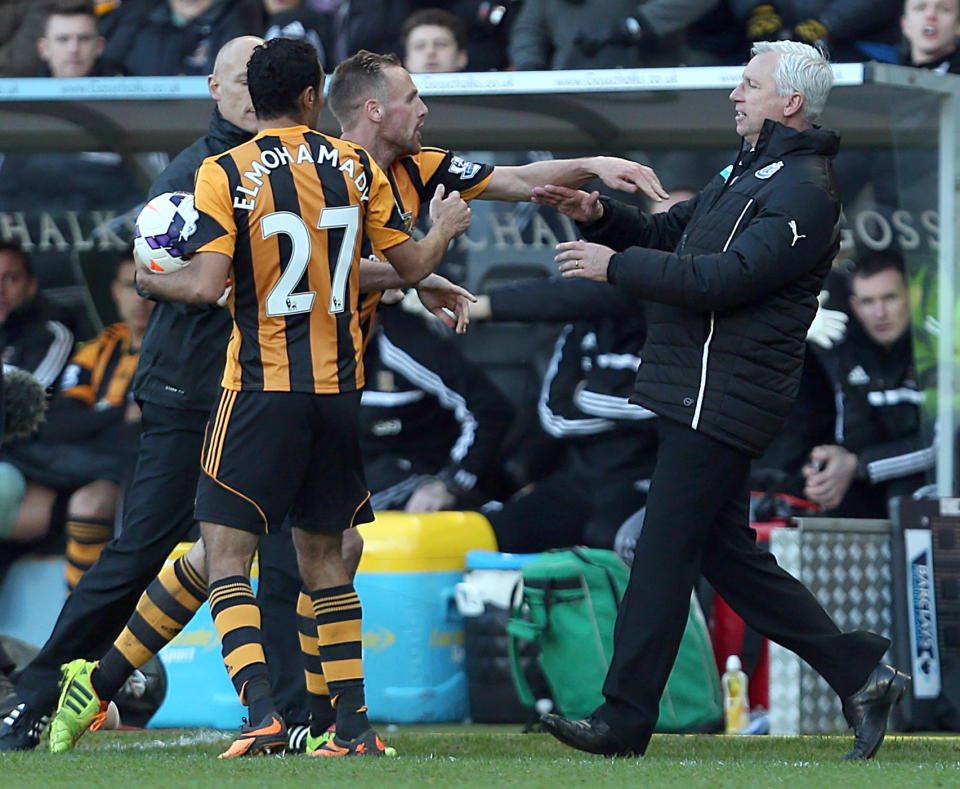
x=730, y=281
x=607, y=444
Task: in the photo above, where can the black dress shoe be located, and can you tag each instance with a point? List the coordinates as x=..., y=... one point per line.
x=590, y=734
x=867, y=710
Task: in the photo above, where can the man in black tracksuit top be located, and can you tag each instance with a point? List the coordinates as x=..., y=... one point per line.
x=608, y=443
x=730, y=281
x=176, y=383
x=431, y=422
x=30, y=338
x=880, y=449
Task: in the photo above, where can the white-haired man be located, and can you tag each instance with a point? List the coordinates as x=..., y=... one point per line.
x=731, y=279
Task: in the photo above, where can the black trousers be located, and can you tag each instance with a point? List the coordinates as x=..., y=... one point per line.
x=158, y=513
x=697, y=522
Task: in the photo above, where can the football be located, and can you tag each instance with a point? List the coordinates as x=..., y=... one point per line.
x=162, y=229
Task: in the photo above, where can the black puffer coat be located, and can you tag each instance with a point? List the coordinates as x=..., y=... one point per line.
x=733, y=297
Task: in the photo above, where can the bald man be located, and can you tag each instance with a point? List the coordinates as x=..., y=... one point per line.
x=175, y=386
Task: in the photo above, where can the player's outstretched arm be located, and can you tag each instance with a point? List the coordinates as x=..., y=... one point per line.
x=202, y=282
x=517, y=183
x=414, y=260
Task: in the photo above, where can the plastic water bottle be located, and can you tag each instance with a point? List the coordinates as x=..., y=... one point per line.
x=736, y=704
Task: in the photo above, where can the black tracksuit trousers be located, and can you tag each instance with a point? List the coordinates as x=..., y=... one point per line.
x=697, y=522
x=158, y=513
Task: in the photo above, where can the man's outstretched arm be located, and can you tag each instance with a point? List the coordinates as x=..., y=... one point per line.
x=517, y=183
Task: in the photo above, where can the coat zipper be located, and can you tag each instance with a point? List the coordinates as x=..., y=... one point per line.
x=706, y=345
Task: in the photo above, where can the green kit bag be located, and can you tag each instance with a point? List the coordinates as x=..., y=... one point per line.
x=568, y=609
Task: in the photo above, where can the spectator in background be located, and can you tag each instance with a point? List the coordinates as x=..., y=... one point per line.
x=930, y=30
x=847, y=30
x=161, y=37
x=434, y=41
x=76, y=466
x=880, y=450
x=51, y=181
x=21, y=23
x=571, y=34
x=29, y=338
x=70, y=44
x=293, y=19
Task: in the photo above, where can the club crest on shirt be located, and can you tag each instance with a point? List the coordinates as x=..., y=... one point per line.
x=769, y=171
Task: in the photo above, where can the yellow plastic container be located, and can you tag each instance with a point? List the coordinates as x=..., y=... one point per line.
x=413, y=656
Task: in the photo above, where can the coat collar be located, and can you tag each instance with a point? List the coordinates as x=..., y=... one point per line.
x=777, y=140
x=221, y=129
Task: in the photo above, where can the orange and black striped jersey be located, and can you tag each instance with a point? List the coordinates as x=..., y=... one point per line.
x=99, y=374
x=292, y=208
x=413, y=180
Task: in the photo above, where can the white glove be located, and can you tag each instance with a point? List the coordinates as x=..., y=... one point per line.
x=829, y=326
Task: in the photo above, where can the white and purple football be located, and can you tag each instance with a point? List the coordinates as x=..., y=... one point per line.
x=162, y=229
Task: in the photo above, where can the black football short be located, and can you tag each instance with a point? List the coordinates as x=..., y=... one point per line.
x=267, y=455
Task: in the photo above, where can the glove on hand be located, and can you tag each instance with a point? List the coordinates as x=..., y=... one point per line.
x=829, y=326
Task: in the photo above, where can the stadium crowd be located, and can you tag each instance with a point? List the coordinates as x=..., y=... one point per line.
x=181, y=37
x=563, y=459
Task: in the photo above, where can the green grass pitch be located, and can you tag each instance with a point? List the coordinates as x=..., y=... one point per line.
x=492, y=757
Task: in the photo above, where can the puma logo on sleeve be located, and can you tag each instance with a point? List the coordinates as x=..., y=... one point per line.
x=792, y=224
